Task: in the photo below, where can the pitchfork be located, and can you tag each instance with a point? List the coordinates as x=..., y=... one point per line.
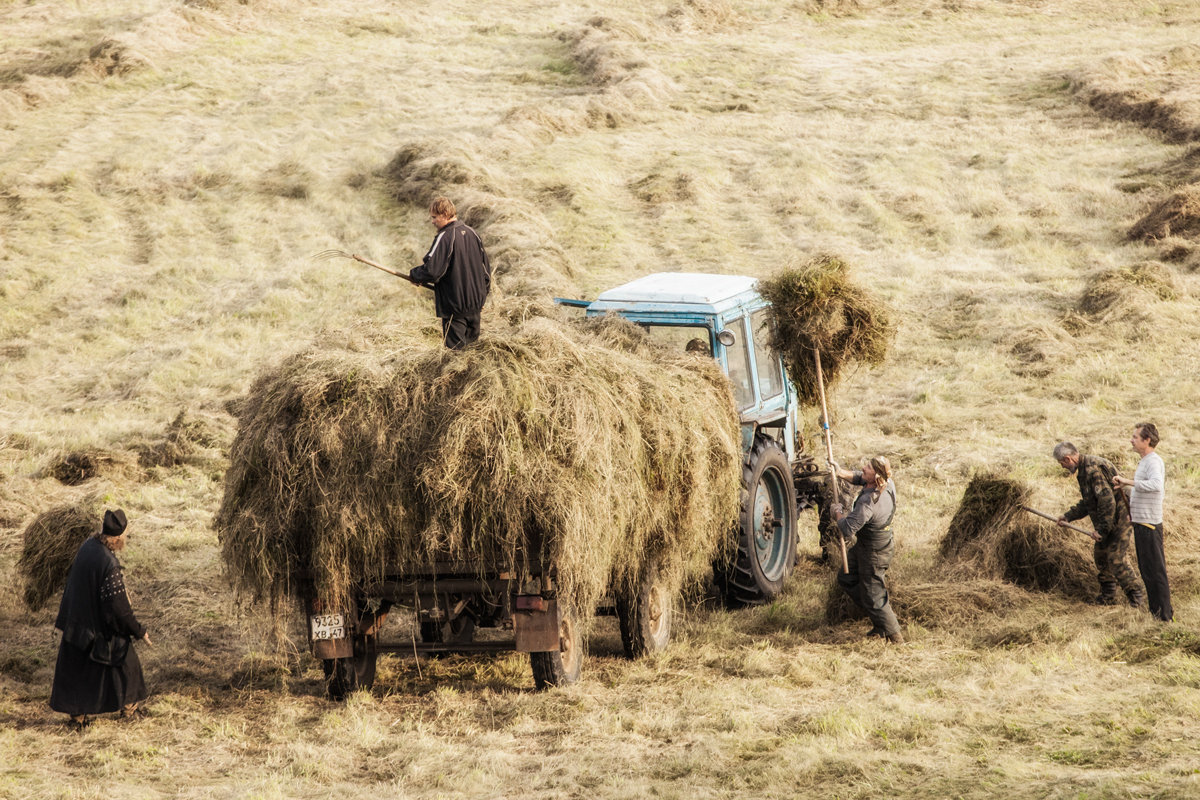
x=325, y=255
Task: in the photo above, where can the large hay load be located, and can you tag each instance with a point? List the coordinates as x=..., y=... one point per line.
x=530, y=473
x=991, y=537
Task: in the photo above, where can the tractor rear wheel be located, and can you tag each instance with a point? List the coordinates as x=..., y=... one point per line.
x=766, y=544
x=560, y=667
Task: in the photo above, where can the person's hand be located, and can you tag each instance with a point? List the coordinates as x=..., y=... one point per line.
x=146, y=638
x=1095, y=536
x=410, y=278
x=1062, y=522
x=838, y=510
x=836, y=467
x=1118, y=482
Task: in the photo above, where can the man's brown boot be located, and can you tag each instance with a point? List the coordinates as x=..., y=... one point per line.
x=896, y=638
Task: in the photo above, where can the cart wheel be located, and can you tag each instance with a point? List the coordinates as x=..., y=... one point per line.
x=645, y=614
x=345, y=675
x=340, y=677
x=560, y=667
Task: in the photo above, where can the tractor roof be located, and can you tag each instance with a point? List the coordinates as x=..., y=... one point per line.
x=690, y=288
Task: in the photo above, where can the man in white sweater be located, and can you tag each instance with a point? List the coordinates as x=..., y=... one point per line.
x=1146, y=512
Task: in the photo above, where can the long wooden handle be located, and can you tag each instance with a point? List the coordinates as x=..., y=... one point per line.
x=371, y=263
x=833, y=478
x=1054, y=519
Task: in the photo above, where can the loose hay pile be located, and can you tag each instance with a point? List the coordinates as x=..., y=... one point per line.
x=51, y=541
x=991, y=537
x=933, y=605
x=1124, y=294
x=1178, y=216
x=579, y=443
x=816, y=305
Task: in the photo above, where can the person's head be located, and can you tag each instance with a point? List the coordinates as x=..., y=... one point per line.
x=1145, y=437
x=698, y=345
x=112, y=531
x=442, y=211
x=1067, y=456
x=877, y=471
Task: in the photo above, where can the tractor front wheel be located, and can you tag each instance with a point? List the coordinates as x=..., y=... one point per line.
x=766, y=544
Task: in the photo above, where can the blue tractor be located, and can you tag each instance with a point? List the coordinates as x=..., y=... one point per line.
x=724, y=316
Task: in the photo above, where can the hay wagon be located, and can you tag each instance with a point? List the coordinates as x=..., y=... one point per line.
x=452, y=605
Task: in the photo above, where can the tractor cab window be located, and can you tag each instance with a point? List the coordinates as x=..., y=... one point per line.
x=766, y=360
x=682, y=338
x=737, y=355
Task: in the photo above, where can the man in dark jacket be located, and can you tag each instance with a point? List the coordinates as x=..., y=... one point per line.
x=98, y=670
x=1110, y=519
x=870, y=520
x=457, y=269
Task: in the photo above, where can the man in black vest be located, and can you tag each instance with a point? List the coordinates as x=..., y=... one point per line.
x=457, y=269
x=98, y=670
x=870, y=522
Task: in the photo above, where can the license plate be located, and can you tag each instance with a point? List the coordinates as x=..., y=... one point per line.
x=328, y=626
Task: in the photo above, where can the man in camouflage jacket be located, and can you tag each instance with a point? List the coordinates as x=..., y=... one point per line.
x=1110, y=519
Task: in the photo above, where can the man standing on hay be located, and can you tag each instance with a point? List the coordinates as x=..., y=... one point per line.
x=1110, y=519
x=871, y=520
x=1146, y=511
x=457, y=269
x=98, y=670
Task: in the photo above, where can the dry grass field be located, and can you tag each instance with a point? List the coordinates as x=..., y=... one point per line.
x=1020, y=179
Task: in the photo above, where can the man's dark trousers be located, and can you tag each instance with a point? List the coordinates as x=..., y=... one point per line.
x=1152, y=563
x=459, y=331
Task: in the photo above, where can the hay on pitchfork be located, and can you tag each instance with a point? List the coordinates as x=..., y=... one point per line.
x=816, y=305
x=577, y=443
x=991, y=537
x=51, y=541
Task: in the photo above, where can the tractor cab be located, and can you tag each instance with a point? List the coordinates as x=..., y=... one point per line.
x=725, y=317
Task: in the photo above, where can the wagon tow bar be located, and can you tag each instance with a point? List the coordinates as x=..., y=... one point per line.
x=833, y=486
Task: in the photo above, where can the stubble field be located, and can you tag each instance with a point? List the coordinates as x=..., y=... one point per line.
x=1020, y=180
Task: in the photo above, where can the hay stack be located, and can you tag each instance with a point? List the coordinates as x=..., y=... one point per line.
x=816, y=305
x=579, y=443
x=991, y=537
x=51, y=541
